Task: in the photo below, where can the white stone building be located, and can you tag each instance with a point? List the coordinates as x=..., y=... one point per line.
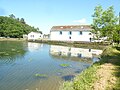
x=34, y=36
x=71, y=33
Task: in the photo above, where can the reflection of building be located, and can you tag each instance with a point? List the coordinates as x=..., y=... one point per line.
x=73, y=52
x=33, y=46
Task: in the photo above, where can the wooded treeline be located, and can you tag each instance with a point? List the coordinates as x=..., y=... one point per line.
x=14, y=27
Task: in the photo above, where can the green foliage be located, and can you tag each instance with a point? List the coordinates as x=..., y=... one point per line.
x=104, y=23
x=116, y=35
x=14, y=27
x=82, y=82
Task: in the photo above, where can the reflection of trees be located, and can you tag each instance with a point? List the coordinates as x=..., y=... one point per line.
x=11, y=50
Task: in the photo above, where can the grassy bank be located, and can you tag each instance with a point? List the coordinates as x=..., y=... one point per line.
x=103, y=75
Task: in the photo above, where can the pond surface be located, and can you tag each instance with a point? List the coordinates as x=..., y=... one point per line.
x=35, y=66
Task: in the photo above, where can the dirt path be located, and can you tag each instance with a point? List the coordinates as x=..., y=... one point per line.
x=106, y=80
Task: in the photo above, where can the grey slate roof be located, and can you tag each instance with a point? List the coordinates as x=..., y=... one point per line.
x=72, y=28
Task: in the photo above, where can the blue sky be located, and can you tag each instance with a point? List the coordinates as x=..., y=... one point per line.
x=47, y=13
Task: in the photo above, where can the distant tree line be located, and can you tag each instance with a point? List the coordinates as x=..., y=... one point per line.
x=15, y=27
x=105, y=24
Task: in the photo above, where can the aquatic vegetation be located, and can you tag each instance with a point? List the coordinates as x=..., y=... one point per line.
x=18, y=51
x=2, y=52
x=13, y=49
x=6, y=54
x=41, y=75
x=64, y=65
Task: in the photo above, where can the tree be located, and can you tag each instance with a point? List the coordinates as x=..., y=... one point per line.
x=12, y=16
x=116, y=35
x=13, y=27
x=104, y=22
x=22, y=20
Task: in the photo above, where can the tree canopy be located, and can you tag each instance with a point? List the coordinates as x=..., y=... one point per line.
x=14, y=27
x=105, y=23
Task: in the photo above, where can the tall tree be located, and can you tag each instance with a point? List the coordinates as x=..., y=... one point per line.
x=12, y=16
x=22, y=20
x=104, y=22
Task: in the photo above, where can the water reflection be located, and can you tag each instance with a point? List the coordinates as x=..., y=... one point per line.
x=34, y=46
x=11, y=51
x=73, y=53
x=68, y=77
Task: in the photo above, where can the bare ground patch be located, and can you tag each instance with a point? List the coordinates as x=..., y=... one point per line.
x=106, y=80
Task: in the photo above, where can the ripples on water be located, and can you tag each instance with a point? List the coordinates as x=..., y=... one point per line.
x=22, y=65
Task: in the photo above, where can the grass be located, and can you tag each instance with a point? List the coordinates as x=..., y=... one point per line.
x=87, y=79
x=82, y=82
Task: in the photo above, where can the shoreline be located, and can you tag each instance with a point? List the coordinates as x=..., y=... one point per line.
x=102, y=75
x=12, y=39
x=77, y=44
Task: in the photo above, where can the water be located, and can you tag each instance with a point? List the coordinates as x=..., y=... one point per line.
x=35, y=66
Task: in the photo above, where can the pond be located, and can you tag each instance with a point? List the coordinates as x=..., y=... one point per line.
x=35, y=66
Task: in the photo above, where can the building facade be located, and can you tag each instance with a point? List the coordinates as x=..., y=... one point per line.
x=34, y=36
x=71, y=33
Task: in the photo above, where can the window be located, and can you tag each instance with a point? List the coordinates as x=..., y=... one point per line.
x=69, y=37
x=89, y=50
x=60, y=32
x=80, y=32
x=79, y=55
x=31, y=35
x=89, y=33
x=70, y=32
x=90, y=39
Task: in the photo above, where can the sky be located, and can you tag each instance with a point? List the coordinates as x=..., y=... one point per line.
x=47, y=13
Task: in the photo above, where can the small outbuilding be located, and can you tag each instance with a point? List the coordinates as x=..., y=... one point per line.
x=34, y=36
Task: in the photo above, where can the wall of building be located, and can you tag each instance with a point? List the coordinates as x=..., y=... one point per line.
x=75, y=36
x=34, y=36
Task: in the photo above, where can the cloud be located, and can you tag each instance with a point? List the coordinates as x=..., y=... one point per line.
x=81, y=21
